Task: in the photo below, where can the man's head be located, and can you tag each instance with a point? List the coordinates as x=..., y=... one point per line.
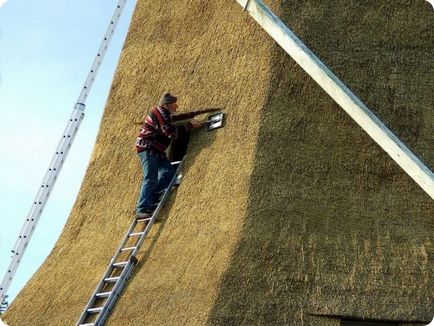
x=168, y=101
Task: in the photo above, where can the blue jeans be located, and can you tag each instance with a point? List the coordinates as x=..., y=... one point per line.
x=157, y=174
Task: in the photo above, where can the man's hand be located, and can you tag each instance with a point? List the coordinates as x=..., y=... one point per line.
x=196, y=123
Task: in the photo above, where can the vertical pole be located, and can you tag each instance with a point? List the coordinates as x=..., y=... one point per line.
x=59, y=157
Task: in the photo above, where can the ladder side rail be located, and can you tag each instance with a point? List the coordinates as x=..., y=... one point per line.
x=52, y=173
x=116, y=292
x=70, y=129
x=101, y=51
x=158, y=209
x=123, y=243
x=107, y=272
x=93, y=298
x=128, y=269
x=40, y=201
x=348, y=101
x=130, y=265
x=53, y=170
x=48, y=182
x=29, y=227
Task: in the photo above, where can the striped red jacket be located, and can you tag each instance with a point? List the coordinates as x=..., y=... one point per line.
x=157, y=131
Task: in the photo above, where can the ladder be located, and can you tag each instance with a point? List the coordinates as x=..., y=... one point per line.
x=346, y=99
x=122, y=263
x=59, y=157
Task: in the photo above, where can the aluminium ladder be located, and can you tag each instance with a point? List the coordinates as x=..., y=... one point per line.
x=59, y=157
x=122, y=263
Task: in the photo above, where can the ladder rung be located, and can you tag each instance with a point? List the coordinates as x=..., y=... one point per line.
x=135, y=234
x=112, y=279
x=92, y=324
x=94, y=310
x=143, y=219
x=121, y=264
x=103, y=294
x=128, y=249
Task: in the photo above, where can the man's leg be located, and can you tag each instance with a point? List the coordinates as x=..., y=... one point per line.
x=149, y=164
x=165, y=174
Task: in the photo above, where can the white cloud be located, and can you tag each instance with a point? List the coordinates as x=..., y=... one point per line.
x=2, y=2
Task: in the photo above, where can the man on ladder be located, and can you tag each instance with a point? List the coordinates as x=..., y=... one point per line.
x=155, y=136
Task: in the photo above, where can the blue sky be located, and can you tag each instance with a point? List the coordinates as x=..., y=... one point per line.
x=46, y=49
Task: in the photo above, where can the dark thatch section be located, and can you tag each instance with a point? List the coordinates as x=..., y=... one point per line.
x=290, y=215
x=334, y=226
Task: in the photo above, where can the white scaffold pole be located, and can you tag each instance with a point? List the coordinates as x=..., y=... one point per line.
x=349, y=102
x=59, y=157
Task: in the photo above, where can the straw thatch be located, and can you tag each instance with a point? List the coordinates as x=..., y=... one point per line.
x=290, y=215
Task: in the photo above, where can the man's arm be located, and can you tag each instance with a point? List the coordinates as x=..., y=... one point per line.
x=188, y=115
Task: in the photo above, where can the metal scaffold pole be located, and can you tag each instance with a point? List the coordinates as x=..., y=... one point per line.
x=59, y=156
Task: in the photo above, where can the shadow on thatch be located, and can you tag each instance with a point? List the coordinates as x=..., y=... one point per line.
x=334, y=227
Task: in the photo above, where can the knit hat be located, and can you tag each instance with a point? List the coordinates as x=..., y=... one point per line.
x=167, y=98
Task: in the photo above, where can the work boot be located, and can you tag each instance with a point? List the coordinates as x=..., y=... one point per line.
x=144, y=214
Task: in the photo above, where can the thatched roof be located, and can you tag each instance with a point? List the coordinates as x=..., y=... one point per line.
x=290, y=214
